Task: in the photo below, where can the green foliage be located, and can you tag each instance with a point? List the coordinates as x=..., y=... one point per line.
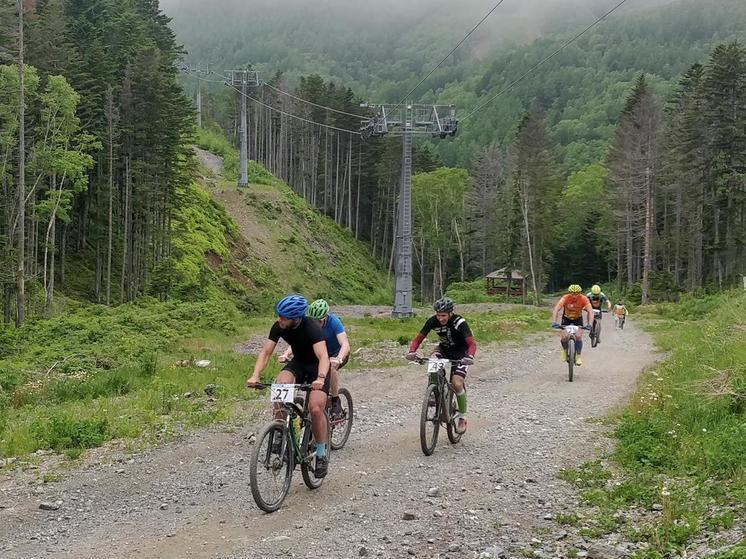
x=688, y=417
x=310, y=252
x=213, y=139
x=201, y=229
x=682, y=441
x=61, y=432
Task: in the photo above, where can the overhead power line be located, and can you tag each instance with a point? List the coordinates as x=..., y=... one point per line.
x=515, y=82
x=270, y=107
x=438, y=65
x=278, y=90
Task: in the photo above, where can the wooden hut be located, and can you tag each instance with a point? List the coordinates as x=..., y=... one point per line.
x=506, y=282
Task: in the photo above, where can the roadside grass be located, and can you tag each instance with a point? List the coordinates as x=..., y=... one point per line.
x=491, y=326
x=96, y=374
x=681, y=442
x=79, y=380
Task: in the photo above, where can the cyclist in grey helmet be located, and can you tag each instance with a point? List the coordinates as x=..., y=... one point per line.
x=456, y=343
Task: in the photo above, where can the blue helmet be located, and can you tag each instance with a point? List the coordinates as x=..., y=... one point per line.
x=292, y=306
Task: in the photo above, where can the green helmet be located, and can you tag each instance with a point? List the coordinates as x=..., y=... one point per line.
x=596, y=289
x=318, y=309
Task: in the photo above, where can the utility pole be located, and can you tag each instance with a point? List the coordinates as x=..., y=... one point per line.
x=243, y=79
x=437, y=121
x=198, y=71
x=199, y=106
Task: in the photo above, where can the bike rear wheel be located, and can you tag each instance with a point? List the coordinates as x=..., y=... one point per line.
x=430, y=420
x=453, y=435
x=570, y=358
x=308, y=453
x=342, y=426
x=271, y=467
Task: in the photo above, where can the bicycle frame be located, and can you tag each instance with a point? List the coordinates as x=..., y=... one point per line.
x=437, y=372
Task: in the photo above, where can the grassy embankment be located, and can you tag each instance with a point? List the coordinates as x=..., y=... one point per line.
x=678, y=475
x=93, y=373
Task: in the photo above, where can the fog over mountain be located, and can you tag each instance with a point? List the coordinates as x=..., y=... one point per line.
x=302, y=35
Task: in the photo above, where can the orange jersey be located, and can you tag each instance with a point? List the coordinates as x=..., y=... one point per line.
x=573, y=305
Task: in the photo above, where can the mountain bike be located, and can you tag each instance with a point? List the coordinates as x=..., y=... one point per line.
x=342, y=424
x=283, y=444
x=439, y=406
x=574, y=332
x=596, y=329
x=620, y=321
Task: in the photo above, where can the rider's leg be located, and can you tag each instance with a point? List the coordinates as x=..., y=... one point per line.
x=316, y=406
x=459, y=386
x=334, y=385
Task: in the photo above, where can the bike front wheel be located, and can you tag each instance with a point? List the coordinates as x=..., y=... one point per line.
x=570, y=357
x=342, y=424
x=430, y=420
x=453, y=435
x=271, y=467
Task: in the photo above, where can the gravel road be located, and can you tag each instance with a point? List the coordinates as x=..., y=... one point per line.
x=492, y=495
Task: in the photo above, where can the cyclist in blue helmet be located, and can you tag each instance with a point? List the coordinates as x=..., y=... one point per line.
x=310, y=364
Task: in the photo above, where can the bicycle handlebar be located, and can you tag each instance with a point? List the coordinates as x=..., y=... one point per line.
x=423, y=360
x=262, y=386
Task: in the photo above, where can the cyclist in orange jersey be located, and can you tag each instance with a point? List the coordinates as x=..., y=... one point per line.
x=570, y=308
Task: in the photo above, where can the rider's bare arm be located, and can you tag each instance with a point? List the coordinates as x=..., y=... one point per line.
x=588, y=313
x=558, y=310
x=344, y=350
x=319, y=348
x=261, y=361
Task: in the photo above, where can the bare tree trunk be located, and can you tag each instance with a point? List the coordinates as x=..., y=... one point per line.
x=357, y=197
x=648, y=243
x=524, y=207
x=21, y=225
x=110, y=122
x=460, y=248
x=126, y=236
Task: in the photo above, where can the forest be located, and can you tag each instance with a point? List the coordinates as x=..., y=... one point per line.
x=91, y=177
x=620, y=160
x=585, y=166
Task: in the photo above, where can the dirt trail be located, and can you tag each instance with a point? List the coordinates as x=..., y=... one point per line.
x=191, y=498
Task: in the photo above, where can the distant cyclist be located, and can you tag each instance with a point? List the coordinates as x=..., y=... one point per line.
x=456, y=343
x=310, y=364
x=620, y=313
x=337, y=345
x=569, y=310
x=598, y=299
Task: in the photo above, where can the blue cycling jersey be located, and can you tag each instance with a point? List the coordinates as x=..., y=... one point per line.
x=332, y=328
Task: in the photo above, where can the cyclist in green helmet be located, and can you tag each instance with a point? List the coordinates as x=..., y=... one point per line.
x=337, y=346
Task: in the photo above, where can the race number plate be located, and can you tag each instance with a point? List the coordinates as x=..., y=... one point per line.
x=435, y=365
x=282, y=393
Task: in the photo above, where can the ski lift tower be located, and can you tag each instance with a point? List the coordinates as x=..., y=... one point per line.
x=408, y=120
x=240, y=80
